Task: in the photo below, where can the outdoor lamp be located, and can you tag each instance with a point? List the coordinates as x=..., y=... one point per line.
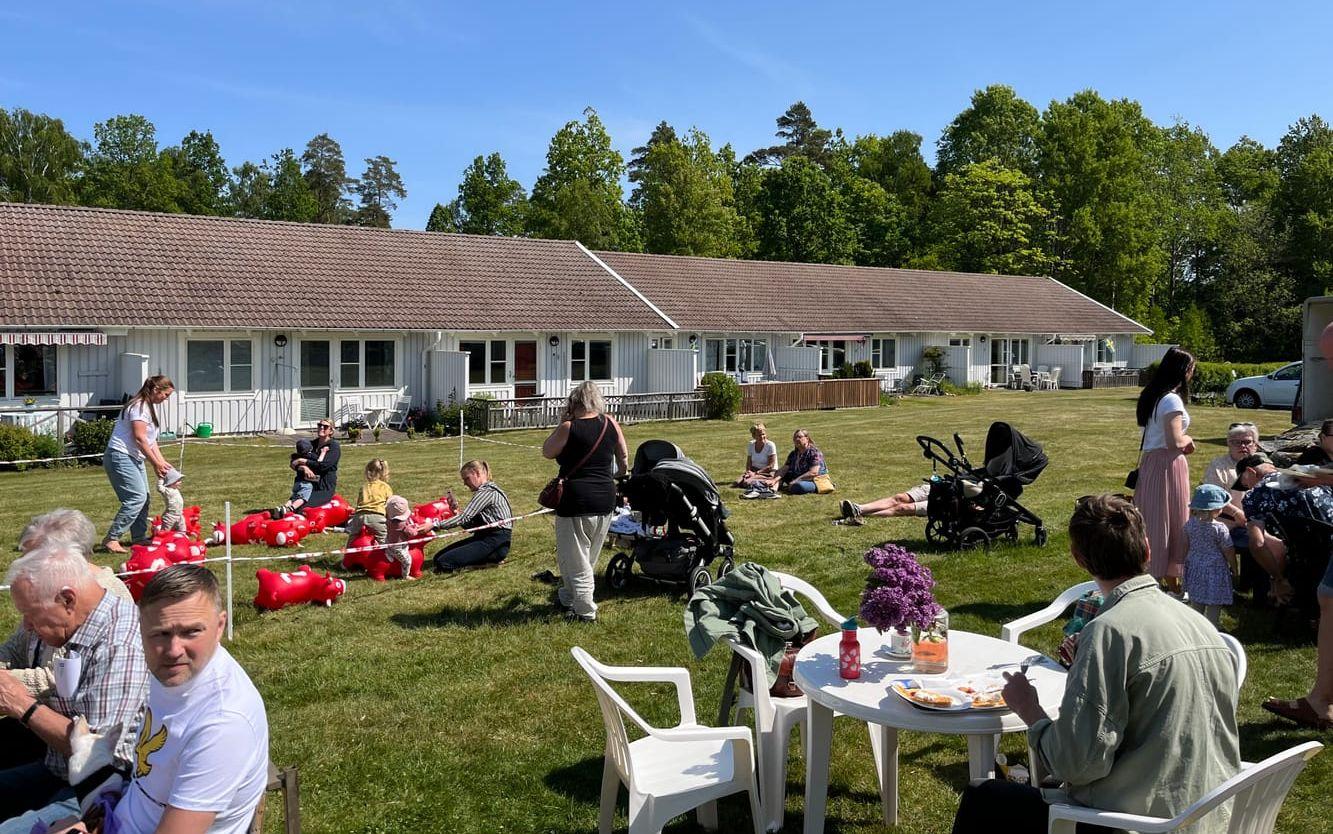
x=553, y=341
x=280, y=340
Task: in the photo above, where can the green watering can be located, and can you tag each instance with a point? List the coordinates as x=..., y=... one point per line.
x=201, y=430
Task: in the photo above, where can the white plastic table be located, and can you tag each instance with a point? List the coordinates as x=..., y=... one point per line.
x=869, y=699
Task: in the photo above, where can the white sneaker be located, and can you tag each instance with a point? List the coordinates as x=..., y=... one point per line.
x=754, y=493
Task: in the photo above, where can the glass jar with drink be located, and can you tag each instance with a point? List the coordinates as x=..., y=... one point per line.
x=930, y=645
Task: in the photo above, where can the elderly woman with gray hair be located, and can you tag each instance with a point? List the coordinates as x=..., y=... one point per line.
x=586, y=443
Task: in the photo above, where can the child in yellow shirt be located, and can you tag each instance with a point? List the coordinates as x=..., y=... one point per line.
x=369, y=514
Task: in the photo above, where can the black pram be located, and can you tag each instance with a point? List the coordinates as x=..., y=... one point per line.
x=973, y=506
x=684, y=524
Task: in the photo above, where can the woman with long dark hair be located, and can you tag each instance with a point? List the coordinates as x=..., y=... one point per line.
x=1163, y=491
x=134, y=440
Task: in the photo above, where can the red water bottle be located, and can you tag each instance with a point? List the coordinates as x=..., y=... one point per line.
x=849, y=652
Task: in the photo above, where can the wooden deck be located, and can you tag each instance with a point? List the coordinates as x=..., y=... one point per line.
x=766, y=397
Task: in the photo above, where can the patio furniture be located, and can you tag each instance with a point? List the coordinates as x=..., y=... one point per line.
x=929, y=385
x=1053, y=381
x=670, y=771
x=1041, y=380
x=350, y=413
x=775, y=718
x=397, y=417
x=867, y=698
x=1256, y=795
x=288, y=782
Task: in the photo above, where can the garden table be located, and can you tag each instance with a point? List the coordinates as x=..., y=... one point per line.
x=870, y=699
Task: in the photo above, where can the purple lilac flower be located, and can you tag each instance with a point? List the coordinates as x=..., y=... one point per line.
x=898, y=590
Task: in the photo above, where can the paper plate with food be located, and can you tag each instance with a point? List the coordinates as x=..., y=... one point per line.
x=936, y=697
x=985, y=694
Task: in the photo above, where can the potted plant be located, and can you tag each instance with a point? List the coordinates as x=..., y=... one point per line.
x=898, y=596
x=29, y=403
x=353, y=433
x=376, y=431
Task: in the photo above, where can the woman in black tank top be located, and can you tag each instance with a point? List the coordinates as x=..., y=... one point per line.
x=585, y=444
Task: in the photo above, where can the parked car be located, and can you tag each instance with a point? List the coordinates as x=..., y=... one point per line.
x=1274, y=390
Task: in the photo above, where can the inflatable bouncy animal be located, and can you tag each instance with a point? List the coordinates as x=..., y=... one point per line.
x=165, y=549
x=249, y=530
x=191, y=516
x=436, y=511
x=333, y=514
x=286, y=531
x=375, y=561
x=279, y=590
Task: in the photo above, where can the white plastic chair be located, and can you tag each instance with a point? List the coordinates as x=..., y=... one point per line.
x=1257, y=794
x=775, y=718
x=1237, y=654
x=397, y=417
x=670, y=771
x=1054, y=381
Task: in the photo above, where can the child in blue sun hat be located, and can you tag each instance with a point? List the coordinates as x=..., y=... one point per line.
x=1211, y=561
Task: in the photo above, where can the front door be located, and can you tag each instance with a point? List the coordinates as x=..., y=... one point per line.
x=525, y=369
x=316, y=393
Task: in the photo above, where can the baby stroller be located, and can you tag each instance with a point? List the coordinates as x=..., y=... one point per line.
x=973, y=506
x=683, y=526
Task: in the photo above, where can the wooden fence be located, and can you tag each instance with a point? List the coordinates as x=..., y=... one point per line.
x=1120, y=378
x=766, y=397
x=545, y=412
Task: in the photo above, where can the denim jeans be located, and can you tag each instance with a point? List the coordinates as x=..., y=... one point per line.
x=801, y=487
x=31, y=793
x=486, y=547
x=130, y=481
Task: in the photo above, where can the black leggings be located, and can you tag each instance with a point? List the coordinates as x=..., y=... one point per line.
x=997, y=805
x=488, y=546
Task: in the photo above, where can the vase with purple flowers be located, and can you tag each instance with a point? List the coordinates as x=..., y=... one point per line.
x=898, y=597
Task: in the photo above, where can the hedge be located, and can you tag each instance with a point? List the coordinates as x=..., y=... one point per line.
x=722, y=396
x=18, y=443
x=1214, y=377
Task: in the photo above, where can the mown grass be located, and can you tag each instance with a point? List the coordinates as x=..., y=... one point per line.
x=452, y=704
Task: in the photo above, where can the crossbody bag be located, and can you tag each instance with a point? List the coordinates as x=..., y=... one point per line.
x=554, y=490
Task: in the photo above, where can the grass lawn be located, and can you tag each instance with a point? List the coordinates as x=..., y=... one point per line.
x=452, y=704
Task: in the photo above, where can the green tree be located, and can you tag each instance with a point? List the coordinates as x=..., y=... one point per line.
x=802, y=217
x=248, y=191
x=325, y=174
x=198, y=164
x=662, y=133
x=578, y=195
x=1303, y=203
x=1248, y=172
x=800, y=135
x=289, y=196
x=1096, y=159
x=125, y=169
x=39, y=160
x=379, y=188
x=1193, y=207
x=489, y=202
x=896, y=164
x=987, y=219
x=996, y=125
x=441, y=219
x=685, y=197
x=747, y=180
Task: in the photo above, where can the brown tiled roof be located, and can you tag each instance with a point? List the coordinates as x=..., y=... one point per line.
x=94, y=267
x=714, y=294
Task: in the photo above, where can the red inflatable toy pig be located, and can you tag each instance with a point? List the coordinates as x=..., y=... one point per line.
x=249, y=530
x=191, y=516
x=279, y=590
x=435, y=511
x=376, y=562
x=165, y=549
x=359, y=556
x=333, y=514
x=286, y=531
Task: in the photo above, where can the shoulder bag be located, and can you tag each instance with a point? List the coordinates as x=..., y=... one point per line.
x=1132, y=479
x=554, y=490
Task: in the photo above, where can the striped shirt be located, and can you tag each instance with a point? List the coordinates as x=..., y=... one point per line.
x=488, y=505
x=113, y=686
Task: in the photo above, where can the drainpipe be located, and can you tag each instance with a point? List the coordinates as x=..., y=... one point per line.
x=425, y=363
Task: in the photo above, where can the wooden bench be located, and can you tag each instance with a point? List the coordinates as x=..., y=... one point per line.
x=288, y=781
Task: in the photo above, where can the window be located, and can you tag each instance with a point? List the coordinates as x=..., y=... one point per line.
x=662, y=343
x=1105, y=350
x=884, y=353
x=735, y=355
x=32, y=369
x=486, y=361
x=589, y=359
x=960, y=341
x=366, y=364
x=1291, y=372
x=832, y=354
x=215, y=366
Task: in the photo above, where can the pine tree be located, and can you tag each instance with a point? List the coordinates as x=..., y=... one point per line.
x=380, y=187
x=325, y=174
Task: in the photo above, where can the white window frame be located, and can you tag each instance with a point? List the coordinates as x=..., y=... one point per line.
x=1100, y=352
x=489, y=360
x=662, y=342
x=960, y=341
x=826, y=351
x=734, y=350
x=227, y=388
x=361, y=363
x=587, y=358
x=877, y=352
x=9, y=367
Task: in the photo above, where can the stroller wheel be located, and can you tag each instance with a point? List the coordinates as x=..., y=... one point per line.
x=973, y=538
x=699, y=577
x=728, y=565
x=619, y=570
x=1011, y=534
x=937, y=531
x=1040, y=537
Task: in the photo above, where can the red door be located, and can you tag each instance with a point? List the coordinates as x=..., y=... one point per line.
x=525, y=369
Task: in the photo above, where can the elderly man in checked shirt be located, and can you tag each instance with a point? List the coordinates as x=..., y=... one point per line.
x=55, y=590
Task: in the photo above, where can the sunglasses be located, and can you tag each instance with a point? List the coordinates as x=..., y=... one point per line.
x=323, y=426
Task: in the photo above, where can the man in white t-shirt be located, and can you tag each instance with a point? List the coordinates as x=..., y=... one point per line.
x=201, y=759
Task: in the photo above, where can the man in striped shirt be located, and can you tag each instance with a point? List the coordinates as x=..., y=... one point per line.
x=488, y=508
x=55, y=590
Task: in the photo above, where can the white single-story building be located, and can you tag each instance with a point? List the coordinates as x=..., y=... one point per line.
x=270, y=325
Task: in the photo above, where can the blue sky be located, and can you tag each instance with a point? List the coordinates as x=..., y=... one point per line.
x=432, y=85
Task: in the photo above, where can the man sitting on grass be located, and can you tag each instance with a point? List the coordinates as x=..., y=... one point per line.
x=1148, y=720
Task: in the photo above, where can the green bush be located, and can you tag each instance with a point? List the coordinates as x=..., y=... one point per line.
x=89, y=437
x=1212, y=378
x=19, y=443
x=886, y=399
x=858, y=370
x=932, y=361
x=967, y=390
x=722, y=396
x=443, y=421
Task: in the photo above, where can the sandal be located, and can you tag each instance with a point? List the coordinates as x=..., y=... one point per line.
x=1299, y=711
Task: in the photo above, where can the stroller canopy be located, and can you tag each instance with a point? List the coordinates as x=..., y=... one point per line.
x=1011, y=458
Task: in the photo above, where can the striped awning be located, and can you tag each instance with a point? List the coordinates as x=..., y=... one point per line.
x=33, y=337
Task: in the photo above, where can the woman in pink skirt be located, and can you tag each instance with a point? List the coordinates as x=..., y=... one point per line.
x=1163, y=491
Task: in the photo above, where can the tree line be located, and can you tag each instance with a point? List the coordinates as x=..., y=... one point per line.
x=1212, y=249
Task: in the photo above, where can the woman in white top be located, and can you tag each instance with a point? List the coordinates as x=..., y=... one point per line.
x=761, y=458
x=133, y=440
x=1163, y=491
